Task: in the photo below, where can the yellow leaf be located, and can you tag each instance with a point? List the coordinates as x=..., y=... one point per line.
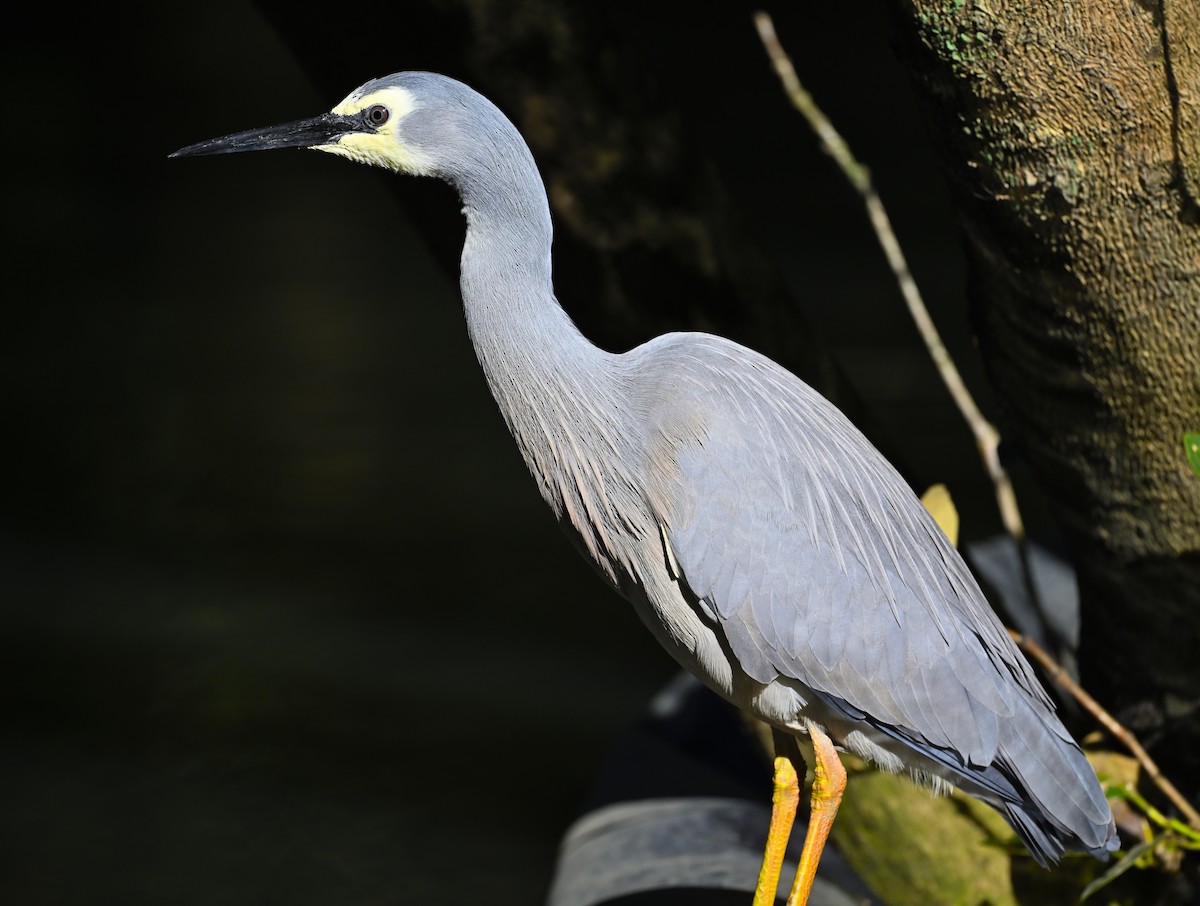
x=941, y=507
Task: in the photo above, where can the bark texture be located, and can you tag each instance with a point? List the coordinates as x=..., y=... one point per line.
x=1071, y=136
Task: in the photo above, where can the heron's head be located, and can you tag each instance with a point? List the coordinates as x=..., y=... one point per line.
x=411, y=122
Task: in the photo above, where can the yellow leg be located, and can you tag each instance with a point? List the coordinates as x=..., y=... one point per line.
x=829, y=781
x=783, y=813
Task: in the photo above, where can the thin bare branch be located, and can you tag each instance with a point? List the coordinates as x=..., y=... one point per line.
x=987, y=438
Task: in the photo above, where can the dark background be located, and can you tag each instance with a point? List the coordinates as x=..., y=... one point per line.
x=283, y=618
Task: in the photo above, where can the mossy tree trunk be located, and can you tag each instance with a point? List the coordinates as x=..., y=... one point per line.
x=1072, y=139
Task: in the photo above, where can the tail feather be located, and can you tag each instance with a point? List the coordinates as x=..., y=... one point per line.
x=1045, y=845
x=1062, y=805
x=1039, y=781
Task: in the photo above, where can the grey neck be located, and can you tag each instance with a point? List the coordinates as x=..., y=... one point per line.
x=564, y=399
x=531, y=352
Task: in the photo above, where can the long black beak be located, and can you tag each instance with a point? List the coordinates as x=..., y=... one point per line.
x=319, y=130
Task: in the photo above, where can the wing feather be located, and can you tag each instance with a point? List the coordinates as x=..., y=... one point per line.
x=820, y=563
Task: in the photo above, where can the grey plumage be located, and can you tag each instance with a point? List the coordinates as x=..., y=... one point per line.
x=762, y=539
x=826, y=575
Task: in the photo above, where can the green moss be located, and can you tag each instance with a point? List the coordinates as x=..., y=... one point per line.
x=962, y=34
x=1028, y=163
x=913, y=848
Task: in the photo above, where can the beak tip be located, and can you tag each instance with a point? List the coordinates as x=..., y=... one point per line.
x=188, y=150
x=308, y=133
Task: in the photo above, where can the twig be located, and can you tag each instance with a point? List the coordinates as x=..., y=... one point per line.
x=987, y=438
x=1110, y=723
x=1190, y=835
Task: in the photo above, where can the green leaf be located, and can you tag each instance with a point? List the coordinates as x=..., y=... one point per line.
x=1191, y=445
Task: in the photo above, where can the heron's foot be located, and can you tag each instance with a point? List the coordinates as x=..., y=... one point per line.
x=784, y=801
x=829, y=782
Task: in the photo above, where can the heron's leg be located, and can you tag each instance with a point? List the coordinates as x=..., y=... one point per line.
x=784, y=801
x=829, y=781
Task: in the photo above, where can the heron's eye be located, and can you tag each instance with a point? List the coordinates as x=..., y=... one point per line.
x=377, y=115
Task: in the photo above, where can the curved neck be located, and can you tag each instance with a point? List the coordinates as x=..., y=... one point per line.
x=520, y=333
x=562, y=397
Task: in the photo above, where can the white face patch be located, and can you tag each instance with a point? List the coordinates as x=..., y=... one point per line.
x=383, y=147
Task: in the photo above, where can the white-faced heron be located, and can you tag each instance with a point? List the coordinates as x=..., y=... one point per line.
x=762, y=539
